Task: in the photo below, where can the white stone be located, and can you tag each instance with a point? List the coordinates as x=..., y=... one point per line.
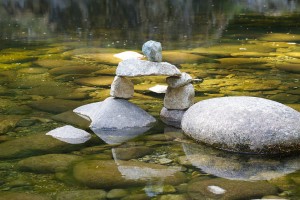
x=175, y=82
x=216, y=189
x=70, y=134
x=122, y=88
x=244, y=124
x=179, y=98
x=152, y=50
x=134, y=67
x=128, y=55
x=160, y=89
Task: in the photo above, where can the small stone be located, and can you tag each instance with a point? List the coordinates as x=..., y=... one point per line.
x=164, y=161
x=8, y=123
x=134, y=67
x=26, y=122
x=153, y=190
x=174, y=197
x=137, y=197
x=179, y=98
x=121, y=88
x=116, y=193
x=160, y=89
x=70, y=134
x=176, y=82
x=172, y=117
x=152, y=50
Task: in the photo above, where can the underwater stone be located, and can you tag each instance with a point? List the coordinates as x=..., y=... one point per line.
x=244, y=124
x=134, y=67
x=179, y=98
x=55, y=105
x=152, y=50
x=70, y=134
x=23, y=196
x=72, y=118
x=81, y=194
x=127, y=153
x=172, y=117
x=48, y=163
x=176, y=82
x=121, y=88
x=232, y=189
x=117, y=193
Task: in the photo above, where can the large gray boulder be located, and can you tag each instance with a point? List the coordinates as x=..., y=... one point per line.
x=244, y=124
x=135, y=67
x=152, y=50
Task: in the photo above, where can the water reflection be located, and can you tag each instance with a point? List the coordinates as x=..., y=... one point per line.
x=239, y=167
x=122, y=23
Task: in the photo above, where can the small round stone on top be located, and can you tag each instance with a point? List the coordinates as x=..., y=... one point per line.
x=152, y=50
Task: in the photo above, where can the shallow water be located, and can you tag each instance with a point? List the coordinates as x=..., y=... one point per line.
x=56, y=56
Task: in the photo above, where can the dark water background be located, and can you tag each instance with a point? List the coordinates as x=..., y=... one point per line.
x=57, y=55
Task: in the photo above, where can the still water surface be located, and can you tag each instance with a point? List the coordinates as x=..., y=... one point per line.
x=58, y=55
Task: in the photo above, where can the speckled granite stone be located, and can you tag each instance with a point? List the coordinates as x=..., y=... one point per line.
x=244, y=124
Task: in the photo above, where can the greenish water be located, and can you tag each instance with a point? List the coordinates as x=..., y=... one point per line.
x=56, y=56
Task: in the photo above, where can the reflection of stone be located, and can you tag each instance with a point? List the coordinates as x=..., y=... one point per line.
x=118, y=136
x=70, y=134
x=244, y=124
x=172, y=117
x=236, y=166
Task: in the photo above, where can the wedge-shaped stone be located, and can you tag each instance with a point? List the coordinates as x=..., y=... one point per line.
x=135, y=67
x=175, y=82
x=122, y=88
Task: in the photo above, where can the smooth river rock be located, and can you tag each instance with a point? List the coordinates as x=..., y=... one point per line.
x=121, y=88
x=152, y=50
x=81, y=194
x=244, y=124
x=179, y=98
x=135, y=67
x=70, y=134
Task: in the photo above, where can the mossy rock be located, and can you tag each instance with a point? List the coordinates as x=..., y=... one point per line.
x=15, y=58
x=22, y=196
x=177, y=57
x=54, y=63
x=81, y=194
x=103, y=58
x=80, y=69
x=280, y=37
x=289, y=67
x=231, y=189
x=55, y=105
x=49, y=163
x=95, y=81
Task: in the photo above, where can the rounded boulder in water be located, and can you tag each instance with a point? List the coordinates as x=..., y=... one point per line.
x=244, y=124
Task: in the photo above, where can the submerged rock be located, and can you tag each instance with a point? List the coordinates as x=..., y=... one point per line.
x=22, y=196
x=134, y=67
x=218, y=188
x=289, y=67
x=108, y=174
x=179, y=98
x=121, y=88
x=244, y=124
x=127, y=153
x=70, y=134
x=74, y=70
x=152, y=50
x=81, y=194
x=55, y=105
x=49, y=163
x=71, y=118
x=172, y=117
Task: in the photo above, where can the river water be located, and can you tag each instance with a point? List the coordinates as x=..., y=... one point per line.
x=58, y=55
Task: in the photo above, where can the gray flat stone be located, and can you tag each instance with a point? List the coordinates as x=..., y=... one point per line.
x=152, y=50
x=244, y=124
x=172, y=117
x=175, y=82
x=122, y=88
x=135, y=67
x=179, y=98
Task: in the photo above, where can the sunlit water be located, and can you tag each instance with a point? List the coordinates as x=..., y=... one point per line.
x=58, y=55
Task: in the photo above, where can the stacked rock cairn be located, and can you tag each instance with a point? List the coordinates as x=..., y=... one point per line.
x=180, y=92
